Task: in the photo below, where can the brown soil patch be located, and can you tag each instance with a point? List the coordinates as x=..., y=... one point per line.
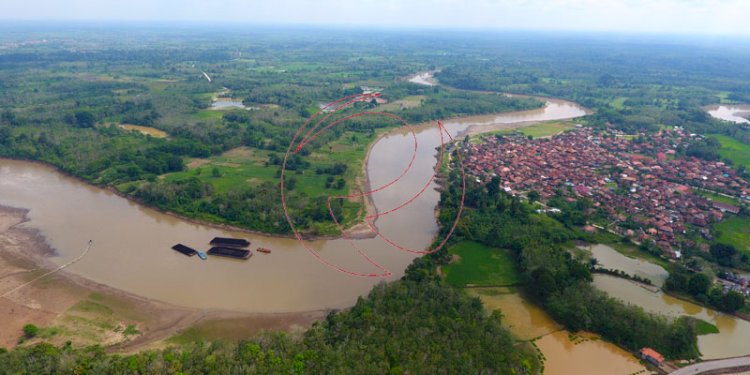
x=239, y=153
x=196, y=163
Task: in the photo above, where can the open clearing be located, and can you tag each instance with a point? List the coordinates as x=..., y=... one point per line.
x=735, y=231
x=734, y=150
x=412, y=101
x=476, y=264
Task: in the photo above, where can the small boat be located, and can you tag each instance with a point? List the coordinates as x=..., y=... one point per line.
x=264, y=250
x=202, y=255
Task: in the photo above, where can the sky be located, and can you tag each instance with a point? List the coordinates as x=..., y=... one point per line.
x=643, y=16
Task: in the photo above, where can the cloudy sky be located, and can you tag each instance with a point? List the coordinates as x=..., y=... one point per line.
x=672, y=16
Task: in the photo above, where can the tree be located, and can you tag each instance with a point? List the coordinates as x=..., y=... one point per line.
x=533, y=196
x=732, y=301
x=5, y=135
x=699, y=284
x=84, y=119
x=9, y=118
x=30, y=331
x=724, y=254
x=544, y=283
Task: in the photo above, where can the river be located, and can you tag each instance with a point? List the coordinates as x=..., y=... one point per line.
x=424, y=79
x=132, y=243
x=733, y=112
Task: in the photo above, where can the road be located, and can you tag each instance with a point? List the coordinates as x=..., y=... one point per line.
x=716, y=367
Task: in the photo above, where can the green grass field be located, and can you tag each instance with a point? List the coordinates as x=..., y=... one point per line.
x=715, y=197
x=618, y=103
x=480, y=265
x=703, y=327
x=547, y=129
x=246, y=166
x=734, y=150
x=412, y=101
x=735, y=231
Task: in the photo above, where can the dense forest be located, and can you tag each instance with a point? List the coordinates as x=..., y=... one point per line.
x=416, y=325
x=553, y=277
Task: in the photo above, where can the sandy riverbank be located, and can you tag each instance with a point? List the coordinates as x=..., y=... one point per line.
x=71, y=308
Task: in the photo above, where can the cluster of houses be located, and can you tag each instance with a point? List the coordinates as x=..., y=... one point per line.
x=656, y=154
x=645, y=188
x=734, y=282
x=369, y=95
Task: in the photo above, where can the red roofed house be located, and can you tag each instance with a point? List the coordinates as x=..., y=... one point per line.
x=726, y=207
x=652, y=356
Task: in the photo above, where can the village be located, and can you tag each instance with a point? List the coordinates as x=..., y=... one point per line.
x=647, y=189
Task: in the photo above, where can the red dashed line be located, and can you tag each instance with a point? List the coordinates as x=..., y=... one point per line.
x=311, y=134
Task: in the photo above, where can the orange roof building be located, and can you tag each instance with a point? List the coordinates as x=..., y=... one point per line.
x=652, y=356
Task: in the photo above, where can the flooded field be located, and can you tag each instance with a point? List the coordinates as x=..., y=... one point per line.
x=609, y=258
x=526, y=320
x=732, y=339
x=581, y=355
x=585, y=356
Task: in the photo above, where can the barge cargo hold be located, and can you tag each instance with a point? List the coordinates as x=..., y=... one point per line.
x=232, y=242
x=184, y=249
x=230, y=252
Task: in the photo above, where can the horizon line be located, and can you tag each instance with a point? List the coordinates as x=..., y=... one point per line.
x=8, y=22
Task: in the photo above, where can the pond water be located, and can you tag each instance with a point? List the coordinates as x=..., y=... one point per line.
x=610, y=258
x=582, y=355
x=425, y=79
x=222, y=103
x=733, y=338
x=734, y=112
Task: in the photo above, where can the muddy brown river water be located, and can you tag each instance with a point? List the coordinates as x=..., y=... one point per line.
x=731, y=112
x=132, y=243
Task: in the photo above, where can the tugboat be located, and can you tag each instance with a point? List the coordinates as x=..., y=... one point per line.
x=264, y=250
x=202, y=255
